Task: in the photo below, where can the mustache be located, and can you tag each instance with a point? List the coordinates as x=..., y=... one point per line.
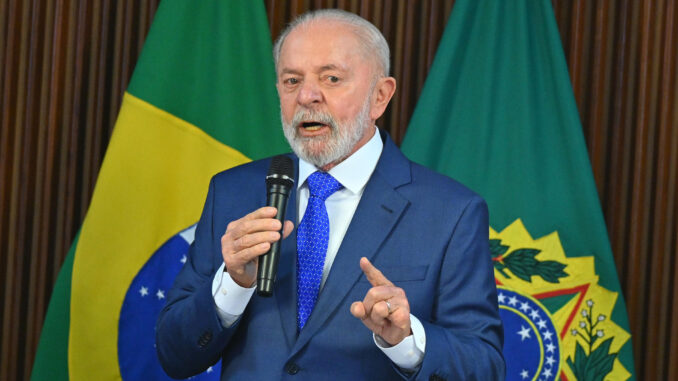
x=313, y=115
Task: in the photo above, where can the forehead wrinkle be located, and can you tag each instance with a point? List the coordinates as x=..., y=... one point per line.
x=333, y=67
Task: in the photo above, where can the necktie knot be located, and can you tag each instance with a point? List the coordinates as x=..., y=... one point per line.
x=322, y=185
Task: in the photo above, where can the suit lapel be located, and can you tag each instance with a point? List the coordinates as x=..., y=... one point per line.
x=377, y=214
x=286, y=284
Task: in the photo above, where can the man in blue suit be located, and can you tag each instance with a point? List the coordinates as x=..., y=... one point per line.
x=381, y=244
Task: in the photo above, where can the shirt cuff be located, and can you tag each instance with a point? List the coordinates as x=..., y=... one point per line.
x=229, y=298
x=409, y=353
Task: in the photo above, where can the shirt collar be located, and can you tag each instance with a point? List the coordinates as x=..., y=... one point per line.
x=355, y=170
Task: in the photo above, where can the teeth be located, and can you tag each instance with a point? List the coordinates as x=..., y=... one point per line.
x=313, y=128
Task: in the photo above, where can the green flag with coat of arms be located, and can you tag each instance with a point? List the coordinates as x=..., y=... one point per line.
x=498, y=114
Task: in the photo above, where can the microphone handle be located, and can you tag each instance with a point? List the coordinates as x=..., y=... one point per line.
x=268, y=263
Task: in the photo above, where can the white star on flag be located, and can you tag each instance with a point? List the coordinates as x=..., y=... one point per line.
x=524, y=374
x=160, y=294
x=183, y=259
x=524, y=307
x=209, y=370
x=550, y=360
x=547, y=335
x=550, y=347
x=143, y=291
x=547, y=372
x=535, y=315
x=501, y=298
x=541, y=324
x=524, y=333
x=513, y=301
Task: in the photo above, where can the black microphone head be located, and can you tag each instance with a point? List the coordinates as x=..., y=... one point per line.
x=281, y=171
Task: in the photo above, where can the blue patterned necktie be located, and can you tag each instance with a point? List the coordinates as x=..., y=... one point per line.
x=313, y=235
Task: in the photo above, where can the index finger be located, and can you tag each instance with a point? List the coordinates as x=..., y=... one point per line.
x=263, y=212
x=373, y=275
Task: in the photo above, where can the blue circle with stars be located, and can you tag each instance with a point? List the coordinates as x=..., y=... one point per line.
x=531, y=342
x=143, y=302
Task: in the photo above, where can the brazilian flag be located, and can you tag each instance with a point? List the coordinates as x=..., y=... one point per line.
x=202, y=99
x=497, y=113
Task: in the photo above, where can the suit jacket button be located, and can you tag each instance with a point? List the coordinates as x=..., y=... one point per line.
x=204, y=339
x=292, y=368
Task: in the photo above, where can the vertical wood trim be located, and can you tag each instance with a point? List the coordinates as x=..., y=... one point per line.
x=16, y=236
x=660, y=297
x=89, y=162
x=60, y=245
x=638, y=203
x=36, y=149
x=62, y=107
x=600, y=93
x=575, y=47
x=615, y=207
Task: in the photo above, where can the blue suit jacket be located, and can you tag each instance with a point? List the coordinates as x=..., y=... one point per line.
x=427, y=233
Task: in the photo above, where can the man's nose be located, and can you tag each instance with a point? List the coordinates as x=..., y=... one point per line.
x=309, y=93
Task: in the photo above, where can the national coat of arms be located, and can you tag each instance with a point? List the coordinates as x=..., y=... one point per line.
x=557, y=318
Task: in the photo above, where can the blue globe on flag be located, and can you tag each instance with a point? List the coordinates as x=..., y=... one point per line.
x=531, y=344
x=143, y=302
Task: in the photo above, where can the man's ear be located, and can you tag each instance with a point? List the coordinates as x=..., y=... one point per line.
x=383, y=92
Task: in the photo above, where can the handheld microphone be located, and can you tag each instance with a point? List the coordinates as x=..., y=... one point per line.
x=279, y=182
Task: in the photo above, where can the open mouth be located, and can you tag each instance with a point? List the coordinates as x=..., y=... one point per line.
x=312, y=126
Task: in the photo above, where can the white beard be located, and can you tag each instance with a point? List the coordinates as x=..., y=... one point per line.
x=326, y=149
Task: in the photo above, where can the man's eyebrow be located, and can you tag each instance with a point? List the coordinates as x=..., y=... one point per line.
x=290, y=71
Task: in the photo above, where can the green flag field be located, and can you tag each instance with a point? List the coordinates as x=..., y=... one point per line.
x=498, y=114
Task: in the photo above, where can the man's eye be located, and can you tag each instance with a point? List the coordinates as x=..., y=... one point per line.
x=292, y=81
x=333, y=78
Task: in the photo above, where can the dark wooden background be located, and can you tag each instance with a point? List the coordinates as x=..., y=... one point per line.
x=64, y=65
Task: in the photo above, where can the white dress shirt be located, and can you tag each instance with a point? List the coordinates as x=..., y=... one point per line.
x=353, y=173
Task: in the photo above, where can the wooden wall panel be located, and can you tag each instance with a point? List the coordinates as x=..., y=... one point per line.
x=623, y=61
x=64, y=65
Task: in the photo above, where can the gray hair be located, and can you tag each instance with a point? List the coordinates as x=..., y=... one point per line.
x=372, y=40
